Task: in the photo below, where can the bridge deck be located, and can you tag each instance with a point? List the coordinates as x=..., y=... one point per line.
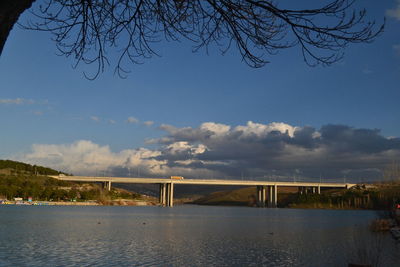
x=196, y=181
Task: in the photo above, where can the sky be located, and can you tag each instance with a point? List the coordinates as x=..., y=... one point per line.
x=206, y=115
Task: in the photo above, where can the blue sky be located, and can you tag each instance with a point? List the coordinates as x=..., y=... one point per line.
x=45, y=101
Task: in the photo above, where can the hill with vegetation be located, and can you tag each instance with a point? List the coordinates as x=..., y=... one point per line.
x=15, y=167
x=370, y=196
x=18, y=179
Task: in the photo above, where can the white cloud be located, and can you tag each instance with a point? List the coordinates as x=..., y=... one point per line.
x=216, y=128
x=95, y=118
x=16, y=101
x=261, y=130
x=394, y=13
x=213, y=150
x=148, y=123
x=179, y=147
x=112, y=122
x=132, y=120
x=87, y=158
x=316, y=134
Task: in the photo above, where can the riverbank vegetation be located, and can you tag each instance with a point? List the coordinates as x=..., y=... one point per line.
x=379, y=196
x=21, y=180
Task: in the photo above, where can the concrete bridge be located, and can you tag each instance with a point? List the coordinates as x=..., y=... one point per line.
x=266, y=191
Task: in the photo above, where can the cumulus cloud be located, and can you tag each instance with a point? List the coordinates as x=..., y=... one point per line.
x=148, y=123
x=87, y=158
x=395, y=12
x=132, y=120
x=16, y=101
x=218, y=150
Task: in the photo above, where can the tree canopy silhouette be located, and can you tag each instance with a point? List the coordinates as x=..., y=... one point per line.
x=88, y=29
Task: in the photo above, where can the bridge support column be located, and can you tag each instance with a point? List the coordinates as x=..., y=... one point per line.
x=107, y=185
x=171, y=195
x=314, y=190
x=270, y=196
x=260, y=191
x=275, y=196
x=169, y=188
x=264, y=196
x=261, y=195
x=164, y=194
x=160, y=189
x=163, y=189
x=319, y=190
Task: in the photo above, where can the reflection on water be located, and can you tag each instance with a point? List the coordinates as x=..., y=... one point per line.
x=188, y=236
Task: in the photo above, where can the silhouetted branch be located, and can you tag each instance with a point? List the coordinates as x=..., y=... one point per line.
x=88, y=29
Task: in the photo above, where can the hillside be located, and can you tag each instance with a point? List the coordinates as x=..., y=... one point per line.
x=23, y=180
x=242, y=197
x=376, y=196
x=13, y=167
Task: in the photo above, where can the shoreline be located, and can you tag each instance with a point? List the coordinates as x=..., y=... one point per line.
x=72, y=203
x=125, y=202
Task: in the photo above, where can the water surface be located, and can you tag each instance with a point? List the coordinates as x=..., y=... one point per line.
x=189, y=236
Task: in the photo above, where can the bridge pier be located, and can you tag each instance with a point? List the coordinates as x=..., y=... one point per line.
x=313, y=189
x=270, y=193
x=275, y=196
x=261, y=196
x=107, y=185
x=267, y=196
x=264, y=196
x=162, y=195
x=303, y=190
x=166, y=196
x=171, y=195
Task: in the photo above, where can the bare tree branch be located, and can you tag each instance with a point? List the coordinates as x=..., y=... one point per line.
x=88, y=30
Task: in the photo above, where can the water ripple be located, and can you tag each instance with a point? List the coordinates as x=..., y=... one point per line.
x=183, y=236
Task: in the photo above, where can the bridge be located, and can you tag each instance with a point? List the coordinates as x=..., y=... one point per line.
x=266, y=191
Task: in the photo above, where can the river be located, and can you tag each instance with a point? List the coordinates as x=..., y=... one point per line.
x=189, y=236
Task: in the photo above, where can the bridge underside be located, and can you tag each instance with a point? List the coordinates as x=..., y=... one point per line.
x=266, y=196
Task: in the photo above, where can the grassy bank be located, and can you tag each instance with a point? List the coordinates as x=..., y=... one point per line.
x=21, y=180
x=380, y=196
